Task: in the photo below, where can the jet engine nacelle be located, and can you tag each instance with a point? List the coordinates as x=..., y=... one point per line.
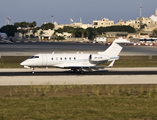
x=97, y=58
x=27, y=67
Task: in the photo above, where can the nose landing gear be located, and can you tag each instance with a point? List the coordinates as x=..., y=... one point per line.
x=32, y=70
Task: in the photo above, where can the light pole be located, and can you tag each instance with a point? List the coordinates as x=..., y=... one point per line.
x=52, y=18
x=140, y=15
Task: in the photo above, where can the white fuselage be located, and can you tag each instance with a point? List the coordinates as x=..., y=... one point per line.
x=65, y=60
x=76, y=61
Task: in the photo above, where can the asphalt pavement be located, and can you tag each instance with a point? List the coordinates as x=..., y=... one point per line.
x=29, y=49
x=64, y=77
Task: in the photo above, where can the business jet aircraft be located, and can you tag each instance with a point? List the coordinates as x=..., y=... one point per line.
x=79, y=61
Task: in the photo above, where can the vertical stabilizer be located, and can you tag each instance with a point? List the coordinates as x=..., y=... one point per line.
x=115, y=48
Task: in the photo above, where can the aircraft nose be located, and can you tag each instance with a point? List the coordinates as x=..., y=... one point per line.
x=22, y=63
x=26, y=62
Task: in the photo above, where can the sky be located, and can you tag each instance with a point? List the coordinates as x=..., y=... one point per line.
x=42, y=11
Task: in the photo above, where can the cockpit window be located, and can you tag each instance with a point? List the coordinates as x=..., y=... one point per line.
x=36, y=56
x=32, y=57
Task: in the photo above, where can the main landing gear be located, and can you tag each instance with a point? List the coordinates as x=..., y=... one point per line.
x=79, y=70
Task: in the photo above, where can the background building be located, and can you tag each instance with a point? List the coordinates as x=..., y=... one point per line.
x=104, y=22
x=147, y=24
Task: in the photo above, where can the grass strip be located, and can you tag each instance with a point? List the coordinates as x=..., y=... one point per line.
x=75, y=102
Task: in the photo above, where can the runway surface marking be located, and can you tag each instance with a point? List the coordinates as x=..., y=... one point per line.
x=68, y=79
x=79, y=80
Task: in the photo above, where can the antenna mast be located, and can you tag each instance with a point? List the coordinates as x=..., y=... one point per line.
x=140, y=10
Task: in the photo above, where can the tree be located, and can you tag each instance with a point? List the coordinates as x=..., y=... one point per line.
x=60, y=30
x=23, y=31
x=25, y=24
x=47, y=26
x=92, y=33
x=9, y=30
x=27, y=36
x=79, y=32
x=34, y=31
x=59, y=38
x=83, y=31
x=65, y=29
x=17, y=24
x=41, y=33
x=123, y=28
x=68, y=28
x=31, y=36
x=154, y=33
x=33, y=24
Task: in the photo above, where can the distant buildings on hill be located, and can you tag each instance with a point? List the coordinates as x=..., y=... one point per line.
x=144, y=24
x=147, y=24
x=74, y=24
x=104, y=22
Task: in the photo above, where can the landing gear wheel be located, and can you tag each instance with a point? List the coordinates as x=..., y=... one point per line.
x=81, y=71
x=33, y=70
x=74, y=70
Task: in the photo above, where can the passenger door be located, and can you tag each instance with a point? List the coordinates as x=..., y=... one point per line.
x=44, y=60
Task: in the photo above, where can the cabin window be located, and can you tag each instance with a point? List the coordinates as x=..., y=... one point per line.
x=90, y=57
x=69, y=58
x=56, y=58
x=60, y=58
x=74, y=58
x=65, y=58
x=99, y=57
x=51, y=58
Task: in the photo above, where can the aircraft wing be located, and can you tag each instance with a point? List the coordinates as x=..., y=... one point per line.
x=85, y=67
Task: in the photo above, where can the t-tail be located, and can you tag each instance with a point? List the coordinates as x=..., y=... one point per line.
x=114, y=50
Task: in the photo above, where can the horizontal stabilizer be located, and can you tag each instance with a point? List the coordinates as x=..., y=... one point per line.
x=121, y=41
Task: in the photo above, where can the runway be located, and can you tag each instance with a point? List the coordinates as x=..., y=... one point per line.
x=62, y=76
x=29, y=49
x=66, y=77
x=66, y=72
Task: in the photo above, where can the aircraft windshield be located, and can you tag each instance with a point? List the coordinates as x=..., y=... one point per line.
x=32, y=57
